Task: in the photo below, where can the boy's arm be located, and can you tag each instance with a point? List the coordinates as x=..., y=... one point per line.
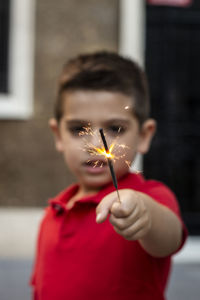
x=139, y=217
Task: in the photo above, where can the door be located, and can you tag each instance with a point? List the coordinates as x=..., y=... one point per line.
x=173, y=69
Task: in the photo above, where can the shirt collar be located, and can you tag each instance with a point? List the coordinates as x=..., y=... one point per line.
x=58, y=203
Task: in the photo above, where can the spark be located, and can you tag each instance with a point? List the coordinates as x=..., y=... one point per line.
x=112, y=171
x=96, y=151
x=128, y=163
x=115, y=151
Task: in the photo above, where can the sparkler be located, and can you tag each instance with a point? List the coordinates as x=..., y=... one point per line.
x=107, y=152
x=93, y=150
x=110, y=164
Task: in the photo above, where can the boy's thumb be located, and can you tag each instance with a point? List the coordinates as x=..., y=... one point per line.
x=104, y=207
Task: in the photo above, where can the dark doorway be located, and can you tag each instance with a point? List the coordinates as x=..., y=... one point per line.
x=173, y=68
x=4, y=44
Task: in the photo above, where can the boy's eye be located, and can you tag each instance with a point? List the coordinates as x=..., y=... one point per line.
x=77, y=130
x=116, y=129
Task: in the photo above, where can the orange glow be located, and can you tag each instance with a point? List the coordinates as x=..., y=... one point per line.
x=103, y=152
x=116, y=151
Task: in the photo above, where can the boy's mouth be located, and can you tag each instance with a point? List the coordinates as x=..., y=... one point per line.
x=97, y=163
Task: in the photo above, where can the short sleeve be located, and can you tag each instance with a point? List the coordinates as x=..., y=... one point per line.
x=162, y=194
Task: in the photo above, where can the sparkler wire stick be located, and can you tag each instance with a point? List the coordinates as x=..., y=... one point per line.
x=110, y=164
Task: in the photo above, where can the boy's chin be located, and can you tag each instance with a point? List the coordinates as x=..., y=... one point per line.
x=97, y=181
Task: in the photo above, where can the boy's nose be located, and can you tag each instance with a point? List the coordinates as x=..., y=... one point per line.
x=96, y=141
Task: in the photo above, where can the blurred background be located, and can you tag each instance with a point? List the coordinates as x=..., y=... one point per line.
x=36, y=38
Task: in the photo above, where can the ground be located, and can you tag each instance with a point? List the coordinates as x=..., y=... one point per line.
x=14, y=277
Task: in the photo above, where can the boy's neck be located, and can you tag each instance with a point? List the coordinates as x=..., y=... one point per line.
x=81, y=193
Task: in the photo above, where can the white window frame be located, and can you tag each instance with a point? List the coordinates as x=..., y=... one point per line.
x=18, y=102
x=132, y=29
x=132, y=42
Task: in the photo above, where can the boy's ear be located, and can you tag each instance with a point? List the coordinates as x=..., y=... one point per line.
x=146, y=134
x=53, y=124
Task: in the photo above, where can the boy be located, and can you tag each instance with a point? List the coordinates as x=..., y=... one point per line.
x=126, y=253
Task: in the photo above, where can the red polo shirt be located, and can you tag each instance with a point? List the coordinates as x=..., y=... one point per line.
x=78, y=259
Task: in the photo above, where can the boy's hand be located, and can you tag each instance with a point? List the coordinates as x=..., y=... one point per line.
x=130, y=217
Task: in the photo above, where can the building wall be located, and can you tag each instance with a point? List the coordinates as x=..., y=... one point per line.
x=30, y=169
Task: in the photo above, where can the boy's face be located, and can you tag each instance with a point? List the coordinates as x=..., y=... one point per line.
x=99, y=109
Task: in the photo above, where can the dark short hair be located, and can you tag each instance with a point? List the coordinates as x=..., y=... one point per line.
x=105, y=71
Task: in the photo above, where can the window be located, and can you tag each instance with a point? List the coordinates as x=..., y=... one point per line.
x=16, y=58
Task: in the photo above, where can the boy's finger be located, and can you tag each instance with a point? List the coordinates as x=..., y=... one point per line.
x=124, y=208
x=104, y=207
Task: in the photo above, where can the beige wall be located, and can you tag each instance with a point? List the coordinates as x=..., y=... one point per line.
x=30, y=169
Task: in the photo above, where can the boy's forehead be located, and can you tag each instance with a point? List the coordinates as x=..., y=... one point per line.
x=80, y=102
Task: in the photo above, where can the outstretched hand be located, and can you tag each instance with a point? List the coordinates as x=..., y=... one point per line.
x=130, y=217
